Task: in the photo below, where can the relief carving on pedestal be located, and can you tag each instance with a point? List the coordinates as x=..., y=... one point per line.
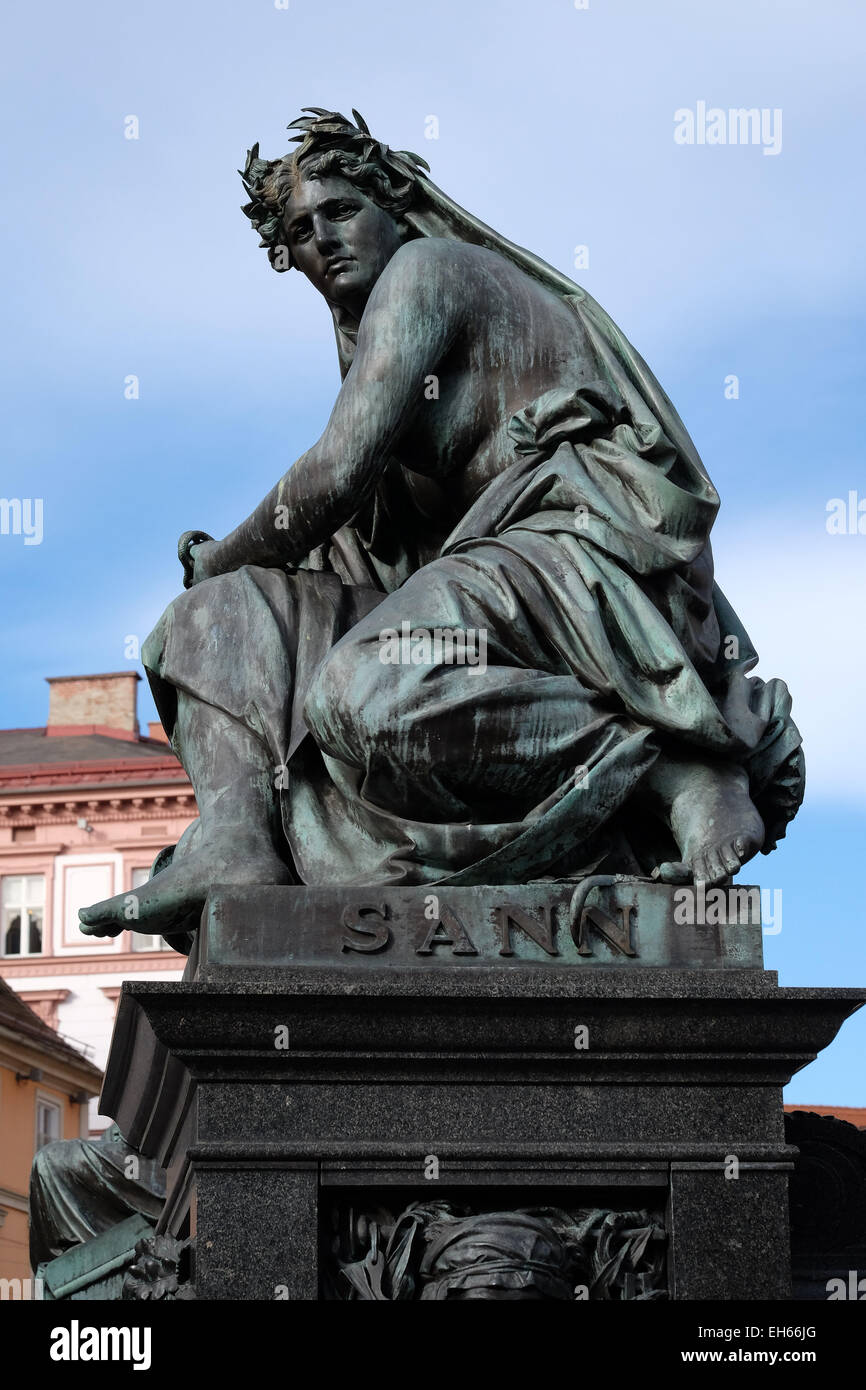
x=441, y=1250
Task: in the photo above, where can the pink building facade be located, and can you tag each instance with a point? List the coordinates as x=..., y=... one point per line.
x=86, y=804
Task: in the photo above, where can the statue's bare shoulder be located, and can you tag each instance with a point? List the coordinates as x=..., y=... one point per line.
x=453, y=274
x=438, y=288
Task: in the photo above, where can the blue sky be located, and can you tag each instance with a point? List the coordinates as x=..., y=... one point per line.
x=556, y=125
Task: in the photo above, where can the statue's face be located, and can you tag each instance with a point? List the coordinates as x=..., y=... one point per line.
x=340, y=239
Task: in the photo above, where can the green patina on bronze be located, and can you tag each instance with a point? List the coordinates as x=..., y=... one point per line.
x=502, y=465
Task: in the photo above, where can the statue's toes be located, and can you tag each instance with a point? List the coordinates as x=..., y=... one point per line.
x=701, y=870
x=673, y=871
x=97, y=929
x=716, y=868
x=100, y=919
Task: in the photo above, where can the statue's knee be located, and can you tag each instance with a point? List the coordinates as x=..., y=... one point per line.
x=220, y=596
x=339, y=703
x=53, y=1158
x=324, y=707
x=49, y=1154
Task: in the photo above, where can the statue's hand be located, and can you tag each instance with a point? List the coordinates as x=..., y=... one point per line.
x=192, y=551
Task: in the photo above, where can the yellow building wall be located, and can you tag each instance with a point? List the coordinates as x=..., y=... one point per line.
x=17, y=1148
x=14, y=1252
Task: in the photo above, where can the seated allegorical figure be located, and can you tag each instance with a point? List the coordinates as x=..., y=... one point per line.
x=473, y=634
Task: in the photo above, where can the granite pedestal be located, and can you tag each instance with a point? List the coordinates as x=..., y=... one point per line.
x=504, y=1047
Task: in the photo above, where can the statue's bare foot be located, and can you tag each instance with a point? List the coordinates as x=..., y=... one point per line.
x=172, y=900
x=717, y=827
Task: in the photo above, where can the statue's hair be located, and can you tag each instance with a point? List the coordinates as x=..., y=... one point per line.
x=330, y=144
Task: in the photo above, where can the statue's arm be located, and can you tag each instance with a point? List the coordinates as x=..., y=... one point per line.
x=411, y=321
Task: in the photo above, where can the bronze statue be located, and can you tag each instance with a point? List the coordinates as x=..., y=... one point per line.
x=472, y=635
x=80, y=1188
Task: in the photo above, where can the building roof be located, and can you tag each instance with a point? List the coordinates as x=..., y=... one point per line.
x=39, y=761
x=29, y=1027
x=20, y=747
x=852, y=1114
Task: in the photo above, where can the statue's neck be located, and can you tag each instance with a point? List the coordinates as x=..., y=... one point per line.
x=347, y=336
x=347, y=323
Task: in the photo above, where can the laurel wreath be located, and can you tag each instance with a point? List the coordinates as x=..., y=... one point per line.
x=391, y=174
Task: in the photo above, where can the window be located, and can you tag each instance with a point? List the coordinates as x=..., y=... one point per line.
x=140, y=942
x=47, y=1121
x=22, y=915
